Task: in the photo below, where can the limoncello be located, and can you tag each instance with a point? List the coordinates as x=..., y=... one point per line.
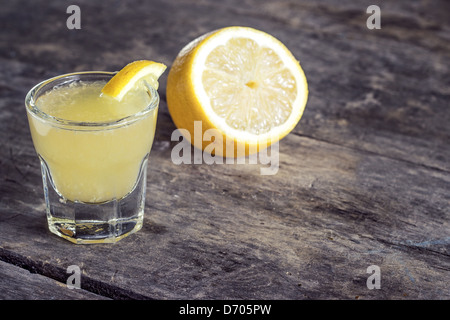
x=93, y=145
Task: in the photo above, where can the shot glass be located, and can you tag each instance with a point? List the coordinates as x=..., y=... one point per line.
x=94, y=173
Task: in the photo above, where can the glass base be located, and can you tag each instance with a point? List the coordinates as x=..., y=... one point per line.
x=89, y=223
x=87, y=232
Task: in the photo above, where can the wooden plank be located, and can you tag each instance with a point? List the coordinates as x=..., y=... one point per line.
x=231, y=234
x=382, y=91
x=19, y=284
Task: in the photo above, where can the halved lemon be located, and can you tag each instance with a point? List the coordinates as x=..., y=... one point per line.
x=132, y=76
x=240, y=82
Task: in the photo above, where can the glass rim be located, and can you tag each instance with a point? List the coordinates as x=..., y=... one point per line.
x=30, y=104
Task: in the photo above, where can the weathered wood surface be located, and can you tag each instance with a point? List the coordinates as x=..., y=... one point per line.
x=20, y=284
x=363, y=180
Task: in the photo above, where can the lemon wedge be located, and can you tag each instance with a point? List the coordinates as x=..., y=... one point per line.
x=132, y=76
x=241, y=82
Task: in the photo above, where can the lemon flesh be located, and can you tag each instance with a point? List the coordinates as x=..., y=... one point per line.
x=249, y=86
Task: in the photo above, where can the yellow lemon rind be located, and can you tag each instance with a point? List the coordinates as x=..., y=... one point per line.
x=129, y=76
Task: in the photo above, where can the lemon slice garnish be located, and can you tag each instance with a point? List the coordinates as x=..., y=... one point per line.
x=132, y=76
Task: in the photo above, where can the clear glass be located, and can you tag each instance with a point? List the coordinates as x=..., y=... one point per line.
x=93, y=173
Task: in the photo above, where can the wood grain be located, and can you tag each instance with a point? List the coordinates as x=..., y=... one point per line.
x=364, y=179
x=19, y=284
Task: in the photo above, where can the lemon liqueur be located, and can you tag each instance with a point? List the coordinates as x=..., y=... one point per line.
x=93, y=150
x=93, y=165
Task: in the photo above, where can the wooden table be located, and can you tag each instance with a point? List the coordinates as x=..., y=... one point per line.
x=363, y=180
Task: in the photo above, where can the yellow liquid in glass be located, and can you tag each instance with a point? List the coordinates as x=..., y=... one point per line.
x=93, y=164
